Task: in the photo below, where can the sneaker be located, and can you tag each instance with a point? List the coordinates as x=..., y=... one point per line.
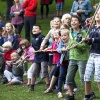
x=92, y=96
x=69, y=97
x=60, y=95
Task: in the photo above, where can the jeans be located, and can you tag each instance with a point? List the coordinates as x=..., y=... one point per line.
x=74, y=65
x=29, y=22
x=62, y=77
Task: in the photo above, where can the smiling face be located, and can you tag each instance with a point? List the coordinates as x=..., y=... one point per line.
x=14, y=56
x=56, y=23
x=36, y=30
x=75, y=23
x=65, y=35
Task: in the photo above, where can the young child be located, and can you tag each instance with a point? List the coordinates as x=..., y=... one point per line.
x=16, y=13
x=27, y=49
x=63, y=63
x=56, y=26
x=16, y=75
x=66, y=19
x=59, y=7
x=1, y=38
x=78, y=55
x=40, y=59
x=93, y=64
x=7, y=48
x=10, y=35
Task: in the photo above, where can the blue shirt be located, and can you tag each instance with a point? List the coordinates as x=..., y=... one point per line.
x=85, y=5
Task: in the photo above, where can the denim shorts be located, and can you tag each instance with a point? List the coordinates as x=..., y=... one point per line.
x=59, y=6
x=93, y=67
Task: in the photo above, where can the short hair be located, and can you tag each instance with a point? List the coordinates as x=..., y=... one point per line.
x=38, y=26
x=76, y=16
x=7, y=44
x=24, y=42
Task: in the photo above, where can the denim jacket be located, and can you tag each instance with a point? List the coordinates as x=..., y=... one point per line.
x=85, y=5
x=63, y=54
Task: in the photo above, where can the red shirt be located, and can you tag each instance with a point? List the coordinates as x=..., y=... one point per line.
x=7, y=55
x=30, y=7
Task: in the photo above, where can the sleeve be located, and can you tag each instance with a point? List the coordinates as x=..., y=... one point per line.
x=72, y=9
x=89, y=8
x=25, y=4
x=46, y=38
x=12, y=12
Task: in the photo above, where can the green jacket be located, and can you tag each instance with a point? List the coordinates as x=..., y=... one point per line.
x=81, y=52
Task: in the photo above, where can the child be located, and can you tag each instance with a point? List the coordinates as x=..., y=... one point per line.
x=66, y=19
x=16, y=13
x=1, y=38
x=56, y=26
x=1, y=23
x=59, y=7
x=40, y=59
x=7, y=48
x=93, y=64
x=16, y=75
x=27, y=49
x=78, y=55
x=10, y=35
x=63, y=63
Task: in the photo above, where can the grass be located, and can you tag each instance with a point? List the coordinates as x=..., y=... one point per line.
x=20, y=92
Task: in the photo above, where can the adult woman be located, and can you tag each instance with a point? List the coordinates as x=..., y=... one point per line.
x=83, y=8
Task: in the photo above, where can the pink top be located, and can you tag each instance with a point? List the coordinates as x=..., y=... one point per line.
x=56, y=55
x=29, y=51
x=57, y=1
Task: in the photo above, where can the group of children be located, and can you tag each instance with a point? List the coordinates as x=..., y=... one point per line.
x=58, y=49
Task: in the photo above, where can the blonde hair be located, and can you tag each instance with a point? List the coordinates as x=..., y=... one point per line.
x=67, y=15
x=13, y=28
x=65, y=31
x=15, y=53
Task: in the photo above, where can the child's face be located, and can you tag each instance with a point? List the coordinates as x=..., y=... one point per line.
x=62, y=27
x=56, y=35
x=64, y=37
x=67, y=21
x=56, y=23
x=6, y=49
x=97, y=17
x=75, y=23
x=36, y=30
x=23, y=47
x=8, y=28
x=14, y=57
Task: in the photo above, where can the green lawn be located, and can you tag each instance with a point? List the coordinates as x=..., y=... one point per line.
x=20, y=92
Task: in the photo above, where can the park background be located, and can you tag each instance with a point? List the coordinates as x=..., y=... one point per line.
x=20, y=92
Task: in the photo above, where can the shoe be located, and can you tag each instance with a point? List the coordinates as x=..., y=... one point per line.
x=10, y=83
x=31, y=88
x=60, y=95
x=69, y=97
x=48, y=90
x=92, y=96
